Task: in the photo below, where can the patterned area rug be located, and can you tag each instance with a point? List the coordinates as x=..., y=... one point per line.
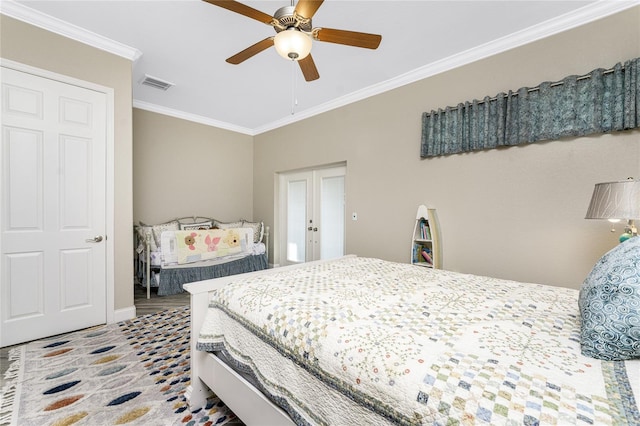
x=133, y=372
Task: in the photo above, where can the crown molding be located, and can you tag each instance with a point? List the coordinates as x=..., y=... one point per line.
x=31, y=16
x=191, y=117
x=582, y=16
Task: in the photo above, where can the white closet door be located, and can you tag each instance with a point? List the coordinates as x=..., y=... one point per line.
x=52, y=221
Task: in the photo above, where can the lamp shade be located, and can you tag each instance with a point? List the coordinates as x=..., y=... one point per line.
x=615, y=200
x=292, y=44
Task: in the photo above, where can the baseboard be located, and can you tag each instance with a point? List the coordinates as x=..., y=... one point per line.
x=124, y=314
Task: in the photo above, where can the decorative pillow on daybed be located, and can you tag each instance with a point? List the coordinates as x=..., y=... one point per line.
x=227, y=225
x=258, y=227
x=174, y=225
x=258, y=230
x=142, y=231
x=200, y=225
x=610, y=305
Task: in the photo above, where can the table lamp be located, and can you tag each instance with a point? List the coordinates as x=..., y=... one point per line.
x=617, y=201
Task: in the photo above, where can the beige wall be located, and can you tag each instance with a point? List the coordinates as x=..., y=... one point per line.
x=515, y=213
x=33, y=46
x=182, y=168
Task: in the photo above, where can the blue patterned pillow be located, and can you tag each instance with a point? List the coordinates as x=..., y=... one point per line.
x=610, y=305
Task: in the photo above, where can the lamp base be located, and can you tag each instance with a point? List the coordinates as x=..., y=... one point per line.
x=629, y=231
x=624, y=237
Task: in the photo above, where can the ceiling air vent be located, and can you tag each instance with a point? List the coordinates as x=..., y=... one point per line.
x=155, y=82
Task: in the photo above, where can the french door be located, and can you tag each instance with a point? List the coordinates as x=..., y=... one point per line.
x=53, y=207
x=312, y=214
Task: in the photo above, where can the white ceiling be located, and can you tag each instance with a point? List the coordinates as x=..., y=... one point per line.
x=186, y=42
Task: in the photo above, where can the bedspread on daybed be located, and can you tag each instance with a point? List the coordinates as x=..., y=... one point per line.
x=173, y=278
x=416, y=346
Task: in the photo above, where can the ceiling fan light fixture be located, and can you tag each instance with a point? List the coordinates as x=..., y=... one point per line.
x=292, y=44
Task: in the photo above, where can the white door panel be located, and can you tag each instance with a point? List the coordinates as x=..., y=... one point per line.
x=25, y=285
x=75, y=271
x=330, y=211
x=22, y=101
x=23, y=148
x=53, y=177
x=298, y=207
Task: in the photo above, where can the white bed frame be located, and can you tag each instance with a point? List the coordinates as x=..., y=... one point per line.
x=209, y=373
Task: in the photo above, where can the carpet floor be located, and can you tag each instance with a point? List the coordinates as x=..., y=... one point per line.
x=134, y=372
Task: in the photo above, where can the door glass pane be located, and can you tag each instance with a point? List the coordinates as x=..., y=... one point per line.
x=332, y=217
x=296, y=220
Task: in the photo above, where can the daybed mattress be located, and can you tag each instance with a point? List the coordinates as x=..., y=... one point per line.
x=365, y=341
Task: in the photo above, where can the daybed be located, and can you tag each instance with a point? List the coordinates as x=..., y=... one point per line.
x=189, y=249
x=358, y=341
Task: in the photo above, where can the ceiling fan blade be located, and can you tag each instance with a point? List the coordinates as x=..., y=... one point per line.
x=251, y=51
x=242, y=9
x=308, y=8
x=308, y=68
x=350, y=38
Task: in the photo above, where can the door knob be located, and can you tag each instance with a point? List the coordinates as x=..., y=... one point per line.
x=94, y=239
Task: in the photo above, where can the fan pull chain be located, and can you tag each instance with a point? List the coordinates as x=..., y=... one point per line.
x=294, y=100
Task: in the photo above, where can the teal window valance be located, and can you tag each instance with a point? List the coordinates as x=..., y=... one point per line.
x=599, y=102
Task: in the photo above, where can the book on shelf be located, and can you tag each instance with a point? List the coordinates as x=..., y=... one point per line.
x=426, y=254
x=425, y=231
x=422, y=254
x=427, y=257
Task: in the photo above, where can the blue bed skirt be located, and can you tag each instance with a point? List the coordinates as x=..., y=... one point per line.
x=171, y=280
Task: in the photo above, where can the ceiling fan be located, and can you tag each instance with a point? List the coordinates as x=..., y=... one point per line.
x=294, y=34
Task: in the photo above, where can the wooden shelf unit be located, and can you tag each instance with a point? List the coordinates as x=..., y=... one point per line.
x=425, y=244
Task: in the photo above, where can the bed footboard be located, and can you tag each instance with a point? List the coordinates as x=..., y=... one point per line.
x=209, y=373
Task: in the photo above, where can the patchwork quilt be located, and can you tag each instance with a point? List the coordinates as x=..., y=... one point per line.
x=365, y=341
x=195, y=245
